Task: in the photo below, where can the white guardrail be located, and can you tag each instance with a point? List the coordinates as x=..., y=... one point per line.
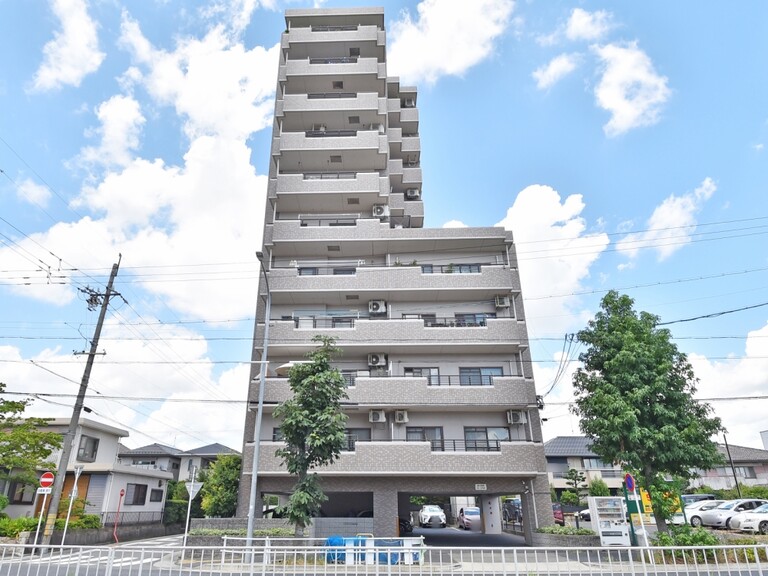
x=366, y=555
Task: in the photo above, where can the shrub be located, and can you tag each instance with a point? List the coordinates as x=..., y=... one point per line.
x=686, y=536
x=262, y=533
x=10, y=527
x=569, y=498
x=565, y=530
x=84, y=522
x=175, y=512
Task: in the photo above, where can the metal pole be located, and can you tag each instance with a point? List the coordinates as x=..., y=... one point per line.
x=72, y=496
x=259, y=408
x=189, y=504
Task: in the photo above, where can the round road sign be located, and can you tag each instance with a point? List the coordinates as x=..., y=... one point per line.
x=122, y=492
x=629, y=481
x=46, y=479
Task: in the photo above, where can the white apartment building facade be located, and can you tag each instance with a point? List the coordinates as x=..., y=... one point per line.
x=431, y=322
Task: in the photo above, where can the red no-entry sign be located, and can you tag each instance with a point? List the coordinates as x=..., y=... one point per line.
x=46, y=479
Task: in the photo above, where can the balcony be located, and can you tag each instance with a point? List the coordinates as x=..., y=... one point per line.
x=445, y=391
x=385, y=281
x=378, y=458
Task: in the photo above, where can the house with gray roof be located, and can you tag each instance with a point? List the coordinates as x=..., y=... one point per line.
x=564, y=452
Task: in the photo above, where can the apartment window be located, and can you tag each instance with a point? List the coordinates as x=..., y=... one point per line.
x=88, y=448
x=308, y=271
x=336, y=159
x=135, y=495
x=479, y=376
x=485, y=439
x=21, y=493
x=349, y=377
x=464, y=319
x=156, y=495
x=341, y=322
x=466, y=268
x=338, y=85
x=354, y=52
x=427, y=269
x=516, y=364
x=431, y=434
x=354, y=435
x=354, y=119
x=345, y=271
x=432, y=374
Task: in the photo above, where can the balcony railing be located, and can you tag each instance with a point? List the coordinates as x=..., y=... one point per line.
x=336, y=28
x=329, y=133
x=329, y=175
x=425, y=269
x=351, y=440
x=340, y=60
x=324, y=95
x=349, y=321
x=433, y=380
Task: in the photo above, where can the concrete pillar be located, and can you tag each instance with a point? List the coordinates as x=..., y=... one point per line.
x=491, y=511
x=385, y=524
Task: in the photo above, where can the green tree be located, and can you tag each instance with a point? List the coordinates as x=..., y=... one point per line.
x=634, y=394
x=569, y=498
x=24, y=445
x=598, y=487
x=576, y=481
x=219, y=492
x=313, y=428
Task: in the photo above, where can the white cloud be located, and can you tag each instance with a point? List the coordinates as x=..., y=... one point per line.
x=121, y=121
x=557, y=68
x=591, y=26
x=671, y=225
x=555, y=253
x=630, y=89
x=759, y=147
x=74, y=51
x=745, y=376
x=214, y=83
x=29, y=191
x=445, y=40
x=454, y=224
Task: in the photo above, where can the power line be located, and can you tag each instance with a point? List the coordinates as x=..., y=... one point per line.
x=713, y=314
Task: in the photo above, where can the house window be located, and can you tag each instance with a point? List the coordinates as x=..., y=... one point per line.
x=174, y=465
x=86, y=452
x=479, y=376
x=156, y=495
x=135, y=495
x=21, y=494
x=485, y=439
x=431, y=434
x=594, y=464
x=745, y=471
x=354, y=435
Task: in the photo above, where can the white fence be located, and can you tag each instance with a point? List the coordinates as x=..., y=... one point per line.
x=350, y=558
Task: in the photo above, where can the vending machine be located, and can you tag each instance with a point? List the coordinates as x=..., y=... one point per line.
x=609, y=520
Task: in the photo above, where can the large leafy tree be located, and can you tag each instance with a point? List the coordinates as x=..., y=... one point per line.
x=313, y=428
x=219, y=491
x=634, y=394
x=24, y=444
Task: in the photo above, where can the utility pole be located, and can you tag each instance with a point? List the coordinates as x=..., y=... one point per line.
x=69, y=438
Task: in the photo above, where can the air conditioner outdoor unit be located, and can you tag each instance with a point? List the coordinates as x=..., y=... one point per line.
x=377, y=359
x=401, y=416
x=377, y=306
x=502, y=301
x=380, y=210
x=377, y=416
x=413, y=194
x=516, y=417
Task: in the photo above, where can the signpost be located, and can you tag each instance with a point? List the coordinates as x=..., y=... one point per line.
x=46, y=481
x=117, y=516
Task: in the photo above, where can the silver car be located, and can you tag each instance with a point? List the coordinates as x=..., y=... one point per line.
x=720, y=516
x=755, y=521
x=693, y=512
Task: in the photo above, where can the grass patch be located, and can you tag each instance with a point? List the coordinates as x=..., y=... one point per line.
x=566, y=530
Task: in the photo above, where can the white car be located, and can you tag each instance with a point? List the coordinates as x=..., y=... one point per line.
x=469, y=518
x=693, y=512
x=755, y=521
x=720, y=516
x=431, y=513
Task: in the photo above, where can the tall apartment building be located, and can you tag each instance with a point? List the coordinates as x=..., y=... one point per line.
x=431, y=322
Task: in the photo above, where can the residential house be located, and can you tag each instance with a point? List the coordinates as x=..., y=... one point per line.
x=574, y=452
x=153, y=457
x=201, y=458
x=747, y=466
x=106, y=485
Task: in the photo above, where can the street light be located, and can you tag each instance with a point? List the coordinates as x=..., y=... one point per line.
x=259, y=409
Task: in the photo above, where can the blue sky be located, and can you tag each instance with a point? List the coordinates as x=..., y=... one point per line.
x=623, y=143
